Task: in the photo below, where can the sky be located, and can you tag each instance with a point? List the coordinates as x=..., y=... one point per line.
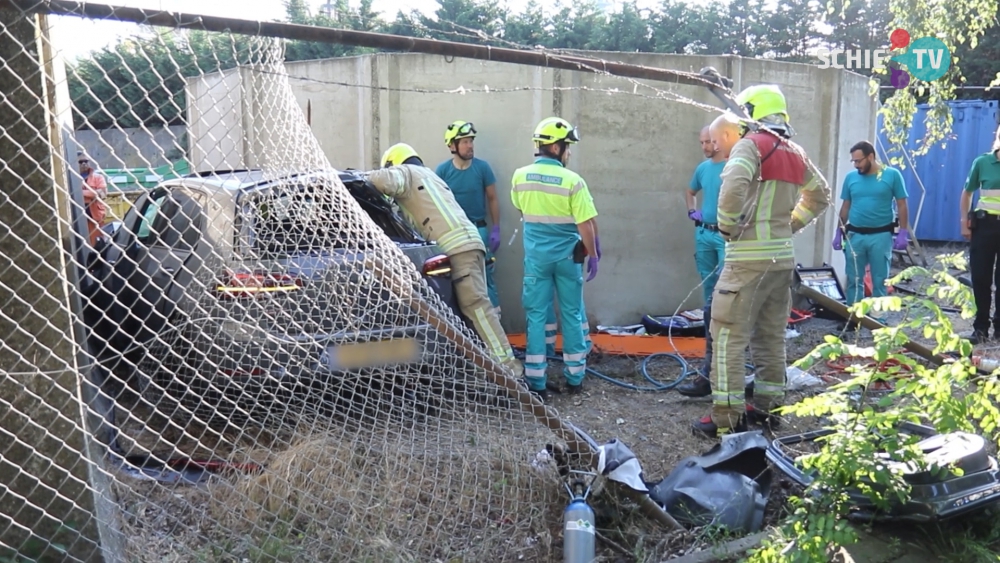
x=73, y=36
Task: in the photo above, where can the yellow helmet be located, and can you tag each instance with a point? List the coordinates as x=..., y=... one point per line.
x=398, y=154
x=459, y=130
x=763, y=100
x=554, y=129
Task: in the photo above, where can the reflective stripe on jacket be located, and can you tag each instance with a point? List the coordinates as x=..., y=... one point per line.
x=553, y=201
x=759, y=216
x=989, y=201
x=429, y=206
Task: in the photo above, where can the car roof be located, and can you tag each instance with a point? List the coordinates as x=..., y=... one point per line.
x=250, y=179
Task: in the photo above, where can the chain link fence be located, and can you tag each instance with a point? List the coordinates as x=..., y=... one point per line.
x=264, y=364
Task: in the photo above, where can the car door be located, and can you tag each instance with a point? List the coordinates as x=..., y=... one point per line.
x=149, y=269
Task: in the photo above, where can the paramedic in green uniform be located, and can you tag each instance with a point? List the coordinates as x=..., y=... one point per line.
x=981, y=227
x=472, y=181
x=559, y=236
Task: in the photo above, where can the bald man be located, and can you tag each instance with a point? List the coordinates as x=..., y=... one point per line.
x=709, y=247
x=724, y=132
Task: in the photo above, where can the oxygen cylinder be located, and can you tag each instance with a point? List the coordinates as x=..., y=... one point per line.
x=578, y=532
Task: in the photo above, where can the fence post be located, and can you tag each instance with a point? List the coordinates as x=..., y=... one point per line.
x=54, y=503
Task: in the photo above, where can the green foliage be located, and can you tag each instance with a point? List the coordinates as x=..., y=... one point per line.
x=140, y=81
x=960, y=25
x=852, y=457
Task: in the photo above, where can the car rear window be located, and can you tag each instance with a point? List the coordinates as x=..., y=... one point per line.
x=294, y=219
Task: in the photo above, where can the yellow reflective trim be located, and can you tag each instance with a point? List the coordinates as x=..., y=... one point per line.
x=491, y=336
x=764, y=204
x=772, y=243
x=740, y=161
x=542, y=188
x=802, y=214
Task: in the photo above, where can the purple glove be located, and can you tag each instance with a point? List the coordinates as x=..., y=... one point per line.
x=902, y=239
x=694, y=214
x=597, y=243
x=495, y=239
x=591, y=267
x=838, y=240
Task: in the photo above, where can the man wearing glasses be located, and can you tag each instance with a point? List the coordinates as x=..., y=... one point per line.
x=867, y=216
x=472, y=181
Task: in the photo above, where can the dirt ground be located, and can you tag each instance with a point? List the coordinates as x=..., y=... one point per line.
x=656, y=425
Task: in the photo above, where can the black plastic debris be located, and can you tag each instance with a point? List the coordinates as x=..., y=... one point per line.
x=688, y=323
x=937, y=493
x=727, y=486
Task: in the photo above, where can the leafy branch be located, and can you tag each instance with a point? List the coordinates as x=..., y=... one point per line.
x=960, y=25
x=865, y=453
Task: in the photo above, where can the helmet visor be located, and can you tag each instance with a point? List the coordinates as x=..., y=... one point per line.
x=573, y=136
x=464, y=130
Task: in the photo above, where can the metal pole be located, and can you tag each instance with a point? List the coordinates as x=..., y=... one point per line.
x=867, y=322
x=176, y=20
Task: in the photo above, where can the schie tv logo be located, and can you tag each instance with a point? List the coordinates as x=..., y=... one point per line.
x=927, y=59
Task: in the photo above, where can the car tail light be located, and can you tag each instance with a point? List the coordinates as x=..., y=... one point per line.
x=242, y=285
x=439, y=265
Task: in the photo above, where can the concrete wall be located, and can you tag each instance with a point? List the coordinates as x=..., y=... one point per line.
x=638, y=150
x=133, y=148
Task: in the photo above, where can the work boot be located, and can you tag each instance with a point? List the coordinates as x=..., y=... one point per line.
x=574, y=389
x=705, y=426
x=851, y=326
x=762, y=418
x=696, y=386
x=553, y=387
x=543, y=395
x=979, y=337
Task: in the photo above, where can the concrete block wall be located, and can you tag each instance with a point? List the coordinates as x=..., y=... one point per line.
x=639, y=148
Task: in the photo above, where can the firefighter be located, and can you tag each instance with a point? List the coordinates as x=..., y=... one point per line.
x=559, y=236
x=431, y=207
x=770, y=190
x=981, y=227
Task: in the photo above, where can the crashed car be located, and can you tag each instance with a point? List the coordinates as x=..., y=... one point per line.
x=938, y=492
x=219, y=285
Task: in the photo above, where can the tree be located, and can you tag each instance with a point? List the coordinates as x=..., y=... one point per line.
x=625, y=30
x=526, y=28
x=140, y=81
x=791, y=30
x=959, y=24
x=465, y=21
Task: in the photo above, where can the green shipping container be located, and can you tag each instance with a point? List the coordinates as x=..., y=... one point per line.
x=130, y=179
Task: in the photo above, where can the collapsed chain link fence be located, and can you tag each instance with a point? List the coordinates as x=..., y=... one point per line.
x=237, y=365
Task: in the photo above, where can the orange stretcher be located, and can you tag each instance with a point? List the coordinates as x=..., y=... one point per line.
x=632, y=345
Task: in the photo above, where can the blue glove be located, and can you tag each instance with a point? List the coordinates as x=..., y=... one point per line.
x=597, y=243
x=838, y=240
x=694, y=214
x=902, y=239
x=591, y=267
x=495, y=239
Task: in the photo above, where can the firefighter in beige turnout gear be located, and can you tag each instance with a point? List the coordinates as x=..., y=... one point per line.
x=429, y=205
x=770, y=190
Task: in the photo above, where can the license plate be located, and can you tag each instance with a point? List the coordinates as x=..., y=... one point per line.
x=372, y=354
